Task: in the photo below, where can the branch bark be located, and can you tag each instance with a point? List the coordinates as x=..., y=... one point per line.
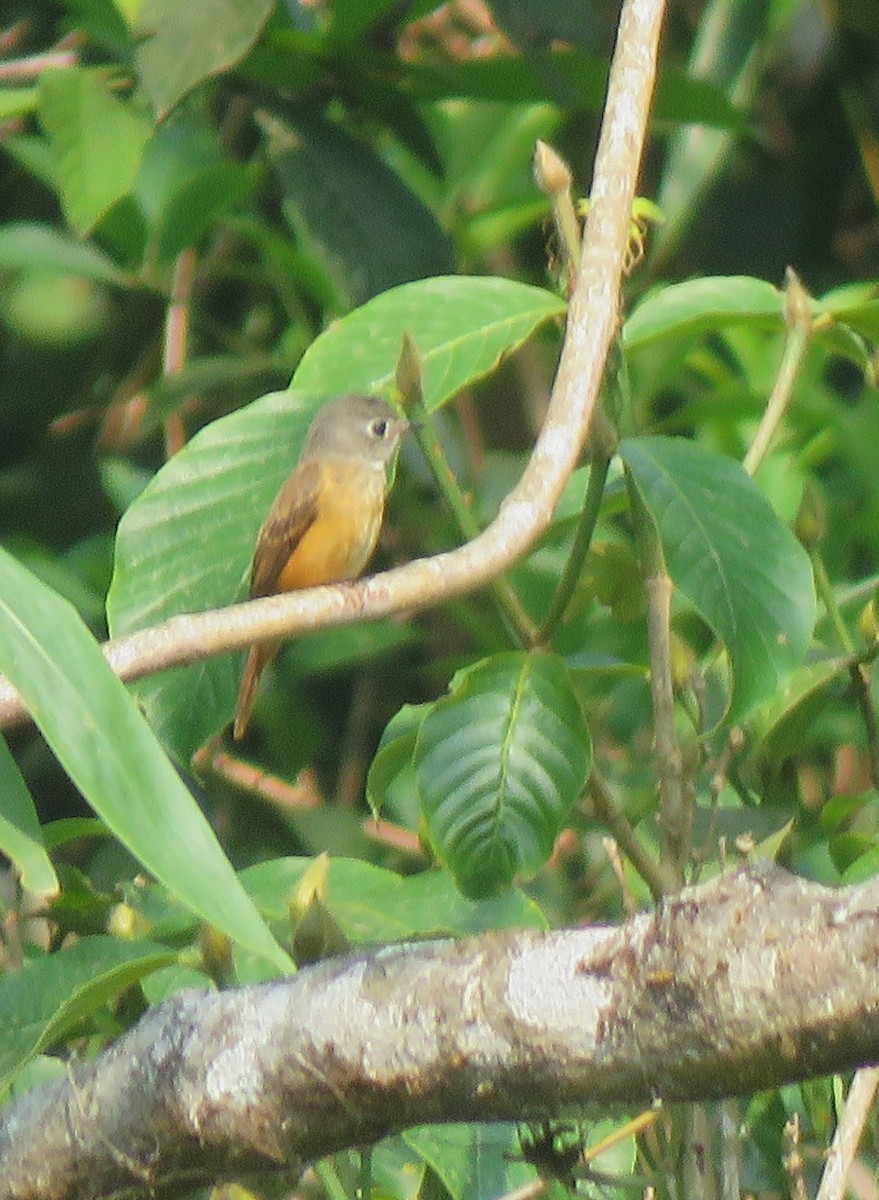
x=753, y=980
x=527, y=511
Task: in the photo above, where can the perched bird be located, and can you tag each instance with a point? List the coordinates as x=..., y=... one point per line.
x=325, y=521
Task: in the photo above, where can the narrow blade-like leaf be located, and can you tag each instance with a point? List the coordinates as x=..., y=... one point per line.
x=109, y=751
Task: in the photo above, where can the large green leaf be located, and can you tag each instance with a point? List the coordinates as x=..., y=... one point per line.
x=731, y=557
x=47, y=996
x=109, y=751
x=368, y=229
x=97, y=139
x=699, y=305
x=21, y=839
x=185, y=544
x=372, y=904
x=461, y=326
x=474, y=1162
x=499, y=764
x=182, y=44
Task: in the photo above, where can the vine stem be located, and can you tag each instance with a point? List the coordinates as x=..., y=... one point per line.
x=675, y=807
x=798, y=323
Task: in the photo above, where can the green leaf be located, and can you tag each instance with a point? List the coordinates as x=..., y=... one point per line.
x=513, y=79
x=27, y=245
x=45, y=998
x=97, y=139
x=731, y=557
x=347, y=646
x=21, y=838
x=500, y=763
x=350, y=19
x=356, y=215
x=205, y=197
x=462, y=327
x=732, y=41
x=780, y=728
x=394, y=754
x=210, y=373
x=474, y=1162
x=17, y=102
x=701, y=305
x=372, y=904
x=183, y=44
x=104, y=744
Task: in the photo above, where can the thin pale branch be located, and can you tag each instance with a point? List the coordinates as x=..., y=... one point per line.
x=849, y=1131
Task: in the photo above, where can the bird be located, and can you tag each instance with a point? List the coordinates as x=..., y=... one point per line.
x=325, y=521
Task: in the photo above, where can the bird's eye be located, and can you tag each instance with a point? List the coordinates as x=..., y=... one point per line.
x=379, y=427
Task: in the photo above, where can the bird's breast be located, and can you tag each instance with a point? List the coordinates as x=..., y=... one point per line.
x=339, y=543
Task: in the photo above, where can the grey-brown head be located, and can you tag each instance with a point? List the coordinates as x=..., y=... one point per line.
x=359, y=427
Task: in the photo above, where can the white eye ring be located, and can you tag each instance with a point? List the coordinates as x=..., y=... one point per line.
x=379, y=427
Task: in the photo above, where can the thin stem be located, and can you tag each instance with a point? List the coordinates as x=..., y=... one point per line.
x=608, y=811
x=675, y=815
x=849, y=1131
x=176, y=345
x=798, y=321
x=553, y=176
x=409, y=383
x=858, y=672
x=583, y=540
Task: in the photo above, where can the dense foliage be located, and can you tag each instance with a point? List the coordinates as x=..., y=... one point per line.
x=201, y=201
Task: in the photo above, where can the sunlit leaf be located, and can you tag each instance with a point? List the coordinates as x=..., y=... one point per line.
x=175, y=54
x=372, y=904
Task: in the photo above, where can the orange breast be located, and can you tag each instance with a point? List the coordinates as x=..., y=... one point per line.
x=340, y=542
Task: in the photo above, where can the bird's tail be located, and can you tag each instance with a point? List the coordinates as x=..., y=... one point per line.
x=258, y=659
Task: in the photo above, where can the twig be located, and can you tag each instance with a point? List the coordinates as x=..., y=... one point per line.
x=675, y=806
x=395, y=837
x=287, y=797
x=798, y=321
x=21, y=69
x=177, y=341
x=608, y=811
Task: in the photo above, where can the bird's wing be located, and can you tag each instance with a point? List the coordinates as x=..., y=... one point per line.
x=294, y=511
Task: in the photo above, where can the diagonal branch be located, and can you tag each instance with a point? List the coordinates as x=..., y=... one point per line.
x=753, y=980
x=527, y=511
